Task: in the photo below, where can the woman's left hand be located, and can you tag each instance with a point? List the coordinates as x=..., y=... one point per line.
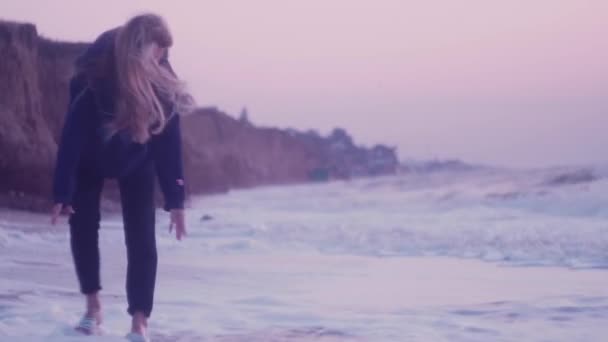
x=178, y=222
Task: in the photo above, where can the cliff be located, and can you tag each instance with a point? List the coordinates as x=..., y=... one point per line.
x=34, y=74
x=220, y=152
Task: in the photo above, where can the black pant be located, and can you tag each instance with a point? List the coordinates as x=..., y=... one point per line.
x=138, y=210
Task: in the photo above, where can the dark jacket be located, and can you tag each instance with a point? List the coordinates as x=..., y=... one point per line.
x=85, y=143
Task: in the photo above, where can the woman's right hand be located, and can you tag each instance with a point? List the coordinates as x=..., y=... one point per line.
x=58, y=209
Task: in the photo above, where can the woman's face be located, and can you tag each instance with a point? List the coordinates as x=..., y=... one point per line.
x=158, y=52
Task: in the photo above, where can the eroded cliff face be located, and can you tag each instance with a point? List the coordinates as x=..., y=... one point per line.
x=33, y=80
x=220, y=152
x=223, y=153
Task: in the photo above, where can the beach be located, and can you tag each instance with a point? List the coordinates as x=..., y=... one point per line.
x=262, y=267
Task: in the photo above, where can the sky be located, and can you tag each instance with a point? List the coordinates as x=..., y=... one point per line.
x=519, y=83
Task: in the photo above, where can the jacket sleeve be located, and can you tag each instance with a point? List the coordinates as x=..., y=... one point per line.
x=167, y=154
x=75, y=131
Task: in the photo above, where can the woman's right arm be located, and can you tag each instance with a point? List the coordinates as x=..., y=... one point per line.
x=75, y=131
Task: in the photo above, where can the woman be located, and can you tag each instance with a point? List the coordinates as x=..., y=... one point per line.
x=123, y=124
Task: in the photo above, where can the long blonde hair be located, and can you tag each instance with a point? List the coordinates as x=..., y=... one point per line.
x=147, y=93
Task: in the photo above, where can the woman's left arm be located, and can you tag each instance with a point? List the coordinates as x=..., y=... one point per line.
x=167, y=153
x=167, y=150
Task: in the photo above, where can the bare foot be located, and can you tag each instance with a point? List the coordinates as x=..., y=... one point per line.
x=94, y=308
x=90, y=322
x=139, y=324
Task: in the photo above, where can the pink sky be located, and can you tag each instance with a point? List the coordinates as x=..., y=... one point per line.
x=518, y=83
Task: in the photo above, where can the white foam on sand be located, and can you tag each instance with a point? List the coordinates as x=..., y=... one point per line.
x=391, y=259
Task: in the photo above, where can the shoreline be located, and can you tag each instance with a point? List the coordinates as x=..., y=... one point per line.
x=213, y=293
